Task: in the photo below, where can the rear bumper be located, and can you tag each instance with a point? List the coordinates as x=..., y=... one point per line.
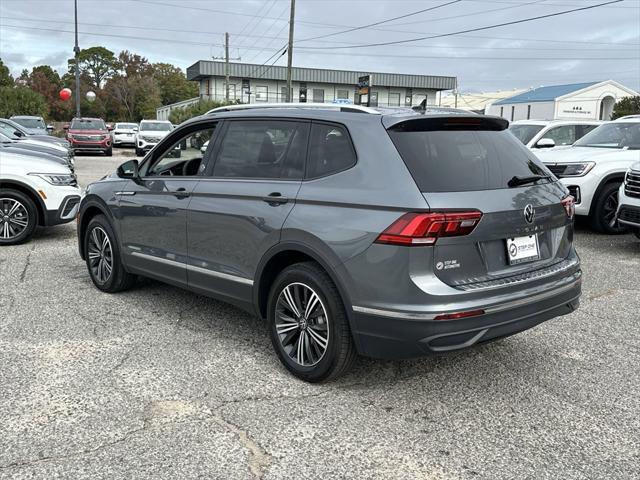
x=392, y=335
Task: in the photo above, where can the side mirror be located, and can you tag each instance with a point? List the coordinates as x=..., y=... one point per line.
x=109, y=127
x=18, y=133
x=50, y=128
x=129, y=170
x=135, y=129
x=546, y=143
x=65, y=126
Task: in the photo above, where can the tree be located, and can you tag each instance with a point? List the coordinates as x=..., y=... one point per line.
x=98, y=63
x=179, y=115
x=626, y=106
x=173, y=84
x=6, y=80
x=21, y=100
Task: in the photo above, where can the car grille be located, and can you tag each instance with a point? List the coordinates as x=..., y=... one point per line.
x=88, y=138
x=632, y=184
x=629, y=214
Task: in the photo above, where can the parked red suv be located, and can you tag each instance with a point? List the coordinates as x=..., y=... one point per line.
x=89, y=134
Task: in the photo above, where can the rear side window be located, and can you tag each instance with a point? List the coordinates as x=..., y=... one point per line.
x=262, y=149
x=330, y=150
x=464, y=160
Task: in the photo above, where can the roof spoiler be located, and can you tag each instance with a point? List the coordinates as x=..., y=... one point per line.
x=448, y=122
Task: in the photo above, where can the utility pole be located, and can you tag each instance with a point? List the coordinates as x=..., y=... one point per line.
x=226, y=66
x=292, y=16
x=76, y=50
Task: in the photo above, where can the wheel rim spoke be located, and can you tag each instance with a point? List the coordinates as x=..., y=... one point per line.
x=99, y=255
x=301, y=324
x=14, y=218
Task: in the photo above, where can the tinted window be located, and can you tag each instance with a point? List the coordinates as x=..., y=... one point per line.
x=155, y=126
x=31, y=122
x=330, y=150
x=525, y=133
x=184, y=157
x=262, y=149
x=464, y=160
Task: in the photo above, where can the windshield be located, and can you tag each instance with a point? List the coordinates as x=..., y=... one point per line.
x=8, y=131
x=87, y=124
x=525, y=133
x=31, y=122
x=155, y=126
x=613, y=135
x=126, y=126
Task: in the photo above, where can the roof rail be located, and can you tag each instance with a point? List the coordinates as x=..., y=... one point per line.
x=319, y=106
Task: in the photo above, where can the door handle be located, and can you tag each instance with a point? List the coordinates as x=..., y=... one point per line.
x=275, y=198
x=181, y=193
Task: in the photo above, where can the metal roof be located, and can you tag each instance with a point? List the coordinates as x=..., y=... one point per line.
x=206, y=68
x=545, y=94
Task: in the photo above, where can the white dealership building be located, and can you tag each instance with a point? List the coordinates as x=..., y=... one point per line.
x=584, y=101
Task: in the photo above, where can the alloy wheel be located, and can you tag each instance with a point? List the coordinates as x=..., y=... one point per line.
x=14, y=218
x=100, y=255
x=301, y=323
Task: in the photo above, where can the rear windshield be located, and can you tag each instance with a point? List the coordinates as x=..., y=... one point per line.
x=129, y=126
x=525, y=133
x=464, y=160
x=155, y=126
x=31, y=122
x=88, y=124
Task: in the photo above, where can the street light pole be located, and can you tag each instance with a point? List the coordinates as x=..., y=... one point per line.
x=290, y=50
x=76, y=50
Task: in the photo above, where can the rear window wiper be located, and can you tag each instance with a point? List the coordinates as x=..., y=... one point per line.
x=518, y=180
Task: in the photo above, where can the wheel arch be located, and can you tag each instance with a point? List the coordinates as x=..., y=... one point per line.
x=280, y=257
x=91, y=207
x=612, y=177
x=31, y=193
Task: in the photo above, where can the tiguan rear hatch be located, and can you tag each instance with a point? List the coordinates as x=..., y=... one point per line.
x=495, y=210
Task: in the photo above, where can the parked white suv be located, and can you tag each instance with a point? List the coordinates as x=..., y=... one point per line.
x=34, y=192
x=594, y=167
x=629, y=200
x=551, y=133
x=150, y=132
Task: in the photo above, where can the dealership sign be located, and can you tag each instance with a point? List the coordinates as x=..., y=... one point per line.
x=364, y=90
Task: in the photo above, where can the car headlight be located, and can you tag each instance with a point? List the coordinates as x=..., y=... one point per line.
x=577, y=169
x=58, y=179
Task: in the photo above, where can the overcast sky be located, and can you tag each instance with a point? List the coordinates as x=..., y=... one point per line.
x=597, y=44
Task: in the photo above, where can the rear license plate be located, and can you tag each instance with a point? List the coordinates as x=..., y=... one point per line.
x=523, y=249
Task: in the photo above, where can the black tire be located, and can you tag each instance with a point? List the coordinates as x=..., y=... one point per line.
x=603, y=212
x=139, y=152
x=24, y=207
x=340, y=352
x=115, y=280
x=109, y=152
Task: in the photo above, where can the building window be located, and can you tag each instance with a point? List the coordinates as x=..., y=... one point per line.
x=502, y=111
x=318, y=95
x=262, y=93
x=205, y=87
x=342, y=94
x=232, y=91
x=528, y=112
x=394, y=99
x=513, y=112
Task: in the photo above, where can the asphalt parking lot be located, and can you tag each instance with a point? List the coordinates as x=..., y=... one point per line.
x=158, y=382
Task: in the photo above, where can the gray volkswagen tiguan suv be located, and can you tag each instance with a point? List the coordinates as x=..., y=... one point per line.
x=349, y=230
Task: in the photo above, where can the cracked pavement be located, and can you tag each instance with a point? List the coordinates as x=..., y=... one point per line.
x=158, y=382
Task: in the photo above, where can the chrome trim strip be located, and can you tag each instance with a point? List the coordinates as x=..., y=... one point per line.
x=491, y=309
x=627, y=222
x=193, y=268
x=225, y=276
x=124, y=193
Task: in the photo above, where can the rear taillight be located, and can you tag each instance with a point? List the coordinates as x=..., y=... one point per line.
x=569, y=205
x=413, y=229
x=459, y=315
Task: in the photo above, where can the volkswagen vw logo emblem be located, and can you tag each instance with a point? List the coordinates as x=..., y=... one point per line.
x=529, y=213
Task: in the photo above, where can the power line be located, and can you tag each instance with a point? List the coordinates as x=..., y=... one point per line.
x=381, y=21
x=477, y=29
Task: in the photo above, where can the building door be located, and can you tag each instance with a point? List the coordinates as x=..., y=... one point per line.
x=318, y=95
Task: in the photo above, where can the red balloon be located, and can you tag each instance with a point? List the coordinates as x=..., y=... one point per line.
x=65, y=94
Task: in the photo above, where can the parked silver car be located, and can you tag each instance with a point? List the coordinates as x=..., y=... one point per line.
x=349, y=230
